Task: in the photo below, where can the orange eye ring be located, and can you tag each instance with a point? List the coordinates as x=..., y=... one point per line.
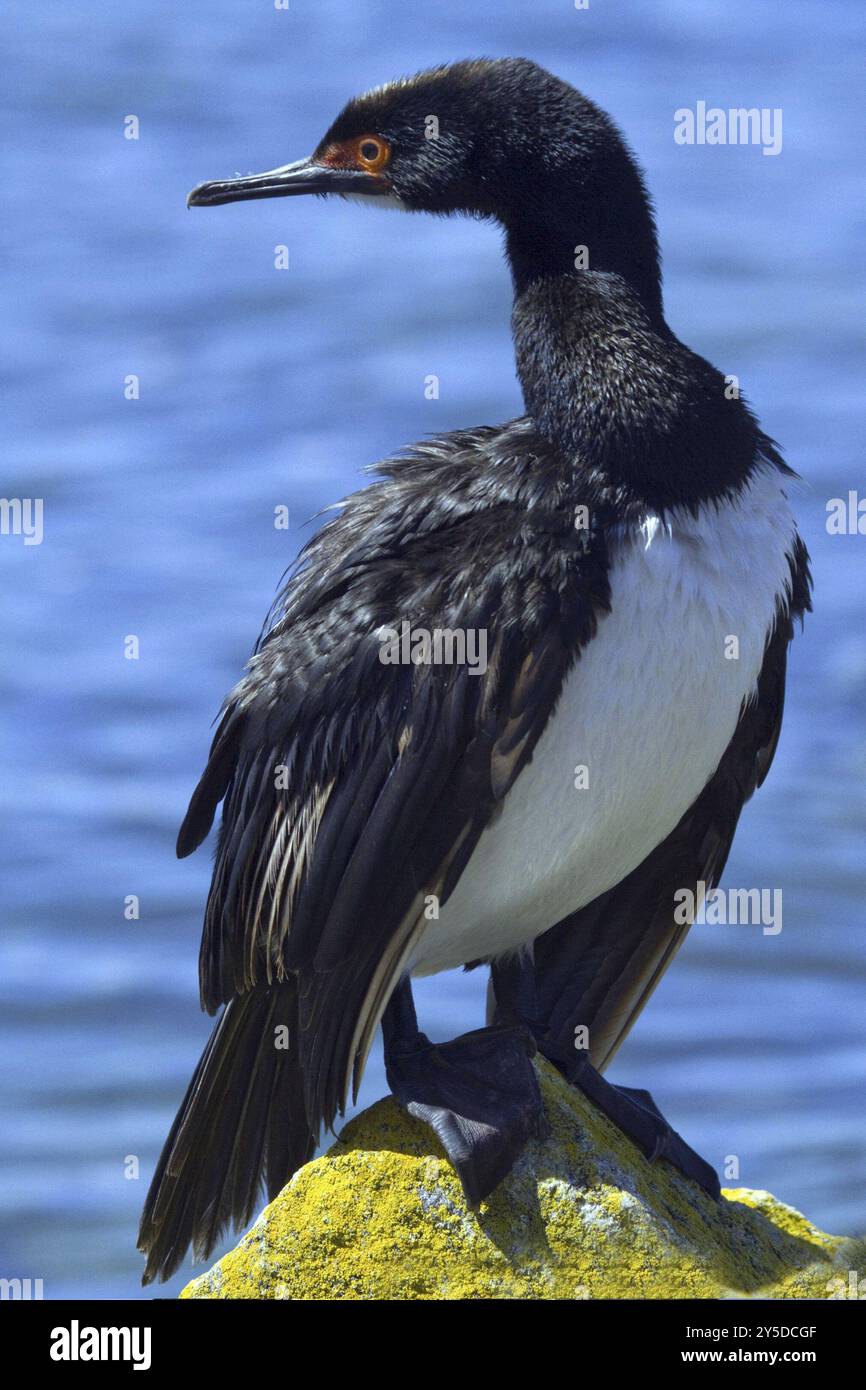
x=372, y=153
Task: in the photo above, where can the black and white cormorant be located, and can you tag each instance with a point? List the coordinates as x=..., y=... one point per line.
x=629, y=553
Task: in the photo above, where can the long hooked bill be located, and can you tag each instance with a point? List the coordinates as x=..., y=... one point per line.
x=304, y=176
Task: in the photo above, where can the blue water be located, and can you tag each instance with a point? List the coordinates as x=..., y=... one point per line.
x=260, y=387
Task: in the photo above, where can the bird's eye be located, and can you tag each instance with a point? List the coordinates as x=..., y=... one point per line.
x=373, y=153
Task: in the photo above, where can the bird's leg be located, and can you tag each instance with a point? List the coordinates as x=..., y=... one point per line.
x=631, y=1110
x=478, y=1093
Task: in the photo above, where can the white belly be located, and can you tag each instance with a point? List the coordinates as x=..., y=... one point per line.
x=648, y=710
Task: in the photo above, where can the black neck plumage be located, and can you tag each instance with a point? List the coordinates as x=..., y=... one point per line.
x=616, y=393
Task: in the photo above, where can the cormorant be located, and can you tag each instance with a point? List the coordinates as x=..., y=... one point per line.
x=626, y=557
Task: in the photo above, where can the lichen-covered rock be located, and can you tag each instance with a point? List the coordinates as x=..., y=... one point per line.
x=583, y=1215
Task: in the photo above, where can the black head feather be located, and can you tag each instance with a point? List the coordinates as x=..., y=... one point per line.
x=504, y=138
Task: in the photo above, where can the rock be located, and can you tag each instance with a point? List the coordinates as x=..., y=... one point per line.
x=583, y=1215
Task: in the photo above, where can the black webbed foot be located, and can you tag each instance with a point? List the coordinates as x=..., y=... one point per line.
x=479, y=1093
x=631, y=1110
x=637, y=1115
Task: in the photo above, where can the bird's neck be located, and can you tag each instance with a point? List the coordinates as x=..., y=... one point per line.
x=583, y=286
x=607, y=229
x=533, y=256
x=610, y=387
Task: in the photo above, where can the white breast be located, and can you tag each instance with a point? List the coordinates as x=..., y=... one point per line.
x=648, y=710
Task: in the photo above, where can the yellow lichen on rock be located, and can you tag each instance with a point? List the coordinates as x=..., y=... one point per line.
x=583, y=1215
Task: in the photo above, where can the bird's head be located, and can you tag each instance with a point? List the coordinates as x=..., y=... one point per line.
x=498, y=138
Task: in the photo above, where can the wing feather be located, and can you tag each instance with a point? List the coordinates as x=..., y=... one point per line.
x=352, y=788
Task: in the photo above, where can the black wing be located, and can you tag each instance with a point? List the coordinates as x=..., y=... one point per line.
x=355, y=789
x=599, y=966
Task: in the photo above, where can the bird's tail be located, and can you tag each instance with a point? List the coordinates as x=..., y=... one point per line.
x=242, y=1120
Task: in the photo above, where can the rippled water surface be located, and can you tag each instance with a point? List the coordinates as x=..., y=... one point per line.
x=260, y=388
